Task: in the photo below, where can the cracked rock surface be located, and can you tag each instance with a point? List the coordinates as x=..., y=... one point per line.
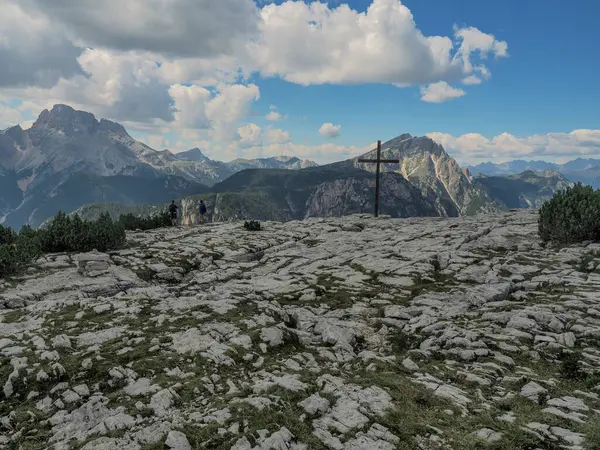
x=348, y=333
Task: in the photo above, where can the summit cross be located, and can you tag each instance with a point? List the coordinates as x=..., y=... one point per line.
x=378, y=161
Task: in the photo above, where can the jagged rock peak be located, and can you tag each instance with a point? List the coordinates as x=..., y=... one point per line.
x=195, y=154
x=406, y=141
x=65, y=119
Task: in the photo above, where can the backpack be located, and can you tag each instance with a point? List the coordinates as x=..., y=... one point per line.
x=202, y=208
x=172, y=208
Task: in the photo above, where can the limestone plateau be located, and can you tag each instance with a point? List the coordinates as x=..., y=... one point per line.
x=341, y=333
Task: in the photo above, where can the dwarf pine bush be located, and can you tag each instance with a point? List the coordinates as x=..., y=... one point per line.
x=252, y=225
x=71, y=234
x=571, y=216
x=133, y=222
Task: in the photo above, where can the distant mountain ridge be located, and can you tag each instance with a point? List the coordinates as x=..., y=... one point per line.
x=38, y=167
x=529, y=189
x=584, y=170
x=426, y=182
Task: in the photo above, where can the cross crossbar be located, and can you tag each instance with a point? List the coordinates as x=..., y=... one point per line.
x=378, y=161
x=381, y=161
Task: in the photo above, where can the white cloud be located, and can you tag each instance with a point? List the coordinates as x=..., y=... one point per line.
x=190, y=102
x=471, y=80
x=9, y=117
x=314, y=44
x=167, y=66
x=250, y=134
x=440, y=92
x=277, y=136
x=33, y=50
x=228, y=107
x=330, y=131
x=180, y=28
x=474, y=148
x=322, y=154
x=273, y=116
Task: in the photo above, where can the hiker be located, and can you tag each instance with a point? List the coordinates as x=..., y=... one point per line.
x=202, y=211
x=173, y=210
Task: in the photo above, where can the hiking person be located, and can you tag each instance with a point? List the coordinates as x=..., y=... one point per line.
x=202, y=211
x=173, y=211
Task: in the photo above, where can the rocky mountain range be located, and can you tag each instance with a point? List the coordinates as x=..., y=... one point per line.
x=584, y=170
x=68, y=159
x=529, y=189
x=342, y=188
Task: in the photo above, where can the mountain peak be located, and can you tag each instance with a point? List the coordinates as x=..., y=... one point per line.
x=67, y=120
x=195, y=154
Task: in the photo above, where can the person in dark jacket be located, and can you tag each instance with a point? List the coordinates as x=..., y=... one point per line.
x=202, y=211
x=173, y=211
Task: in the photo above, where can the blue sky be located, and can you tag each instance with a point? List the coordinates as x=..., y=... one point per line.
x=549, y=83
x=329, y=71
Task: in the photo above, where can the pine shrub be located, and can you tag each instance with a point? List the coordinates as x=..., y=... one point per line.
x=252, y=225
x=571, y=216
x=65, y=233
x=133, y=222
x=18, y=250
x=73, y=234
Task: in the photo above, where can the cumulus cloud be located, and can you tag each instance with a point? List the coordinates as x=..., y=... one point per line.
x=314, y=44
x=273, y=116
x=474, y=148
x=181, y=28
x=33, y=51
x=440, y=92
x=250, y=134
x=9, y=117
x=166, y=66
x=277, y=136
x=198, y=108
x=471, y=80
x=322, y=154
x=228, y=107
x=330, y=131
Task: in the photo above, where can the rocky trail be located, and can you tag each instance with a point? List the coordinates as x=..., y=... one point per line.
x=350, y=333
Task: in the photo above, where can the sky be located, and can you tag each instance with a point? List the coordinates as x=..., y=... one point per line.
x=489, y=80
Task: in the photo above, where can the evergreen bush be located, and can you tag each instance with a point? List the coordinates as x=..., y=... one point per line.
x=252, y=225
x=571, y=216
x=65, y=233
x=132, y=222
x=18, y=250
x=72, y=234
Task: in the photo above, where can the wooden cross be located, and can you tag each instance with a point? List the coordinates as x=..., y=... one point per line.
x=378, y=161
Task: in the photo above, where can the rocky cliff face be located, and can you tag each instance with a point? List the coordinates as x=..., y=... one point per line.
x=350, y=196
x=349, y=333
x=440, y=179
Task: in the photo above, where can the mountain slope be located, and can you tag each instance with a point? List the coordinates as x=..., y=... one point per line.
x=68, y=158
x=582, y=170
x=426, y=165
x=328, y=191
x=529, y=189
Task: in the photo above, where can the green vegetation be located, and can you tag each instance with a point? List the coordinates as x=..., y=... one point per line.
x=252, y=225
x=69, y=234
x=571, y=216
x=17, y=250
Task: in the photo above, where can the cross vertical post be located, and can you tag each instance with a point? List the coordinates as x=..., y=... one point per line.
x=378, y=161
x=377, y=172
